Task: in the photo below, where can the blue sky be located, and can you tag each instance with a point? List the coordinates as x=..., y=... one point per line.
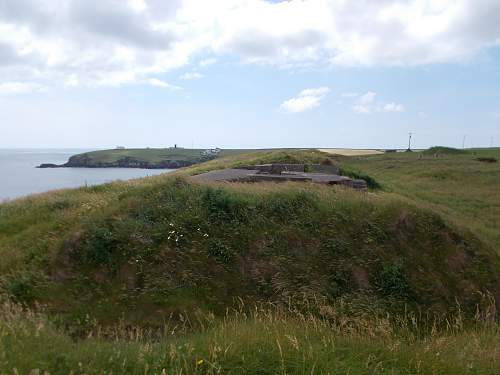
x=328, y=74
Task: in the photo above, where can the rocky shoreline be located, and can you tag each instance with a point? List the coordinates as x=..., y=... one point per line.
x=83, y=161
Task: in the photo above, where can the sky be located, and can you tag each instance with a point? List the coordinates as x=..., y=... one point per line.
x=249, y=73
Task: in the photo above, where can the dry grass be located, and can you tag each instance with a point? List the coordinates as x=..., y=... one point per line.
x=350, y=151
x=262, y=340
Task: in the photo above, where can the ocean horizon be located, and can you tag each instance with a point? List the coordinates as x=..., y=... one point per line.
x=20, y=177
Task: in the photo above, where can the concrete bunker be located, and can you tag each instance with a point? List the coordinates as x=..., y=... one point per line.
x=280, y=172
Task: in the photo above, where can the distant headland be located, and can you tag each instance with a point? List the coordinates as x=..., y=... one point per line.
x=145, y=158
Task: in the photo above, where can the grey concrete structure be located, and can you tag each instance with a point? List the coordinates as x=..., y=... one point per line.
x=283, y=172
x=231, y=175
x=278, y=168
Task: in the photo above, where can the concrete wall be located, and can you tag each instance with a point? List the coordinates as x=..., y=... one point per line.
x=320, y=168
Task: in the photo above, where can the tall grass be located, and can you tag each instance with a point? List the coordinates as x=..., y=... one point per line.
x=264, y=339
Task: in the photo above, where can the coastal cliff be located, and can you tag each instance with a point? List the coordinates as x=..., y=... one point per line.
x=170, y=158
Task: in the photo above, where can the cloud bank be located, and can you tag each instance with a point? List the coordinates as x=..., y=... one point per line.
x=117, y=42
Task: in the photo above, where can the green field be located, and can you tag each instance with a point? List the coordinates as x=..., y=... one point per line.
x=457, y=186
x=165, y=275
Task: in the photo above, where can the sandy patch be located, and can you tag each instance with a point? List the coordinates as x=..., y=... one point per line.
x=350, y=151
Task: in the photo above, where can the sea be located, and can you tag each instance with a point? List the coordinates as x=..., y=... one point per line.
x=19, y=176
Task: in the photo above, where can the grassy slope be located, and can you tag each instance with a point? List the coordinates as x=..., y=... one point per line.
x=462, y=189
x=139, y=250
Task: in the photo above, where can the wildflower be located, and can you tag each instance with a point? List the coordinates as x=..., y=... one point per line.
x=199, y=362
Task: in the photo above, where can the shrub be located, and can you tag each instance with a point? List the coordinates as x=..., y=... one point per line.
x=487, y=159
x=98, y=246
x=391, y=282
x=219, y=251
x=222, y=205
x=23, y=286
x=339, y=283
x=370, y=181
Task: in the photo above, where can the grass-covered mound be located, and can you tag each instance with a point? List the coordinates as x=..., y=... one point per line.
x=442, y=150
x=170, y=245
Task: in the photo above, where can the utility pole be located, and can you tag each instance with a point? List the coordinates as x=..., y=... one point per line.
x=491, y=141
x=463, y=141
x=409, y=141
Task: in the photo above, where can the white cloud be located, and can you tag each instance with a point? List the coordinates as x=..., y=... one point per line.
x=366, y=104
x=20, y=88
x=358, y=108
x=138, y=5
x=422, y=115
x=306, y=100
x=391, y=107
x=162, y=84
x=111, y=42
x=191, y=76
x=207, y=62
x=367, y=98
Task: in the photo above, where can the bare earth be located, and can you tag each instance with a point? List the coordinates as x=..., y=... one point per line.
x=349, y=151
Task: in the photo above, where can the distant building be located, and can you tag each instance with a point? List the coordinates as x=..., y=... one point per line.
x=120, y=147
x=211, y=152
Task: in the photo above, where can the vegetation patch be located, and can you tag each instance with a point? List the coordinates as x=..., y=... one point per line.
x=486, y=159
x=441, y=150
x=219, y=251
x=370, y=181
x=392, y=282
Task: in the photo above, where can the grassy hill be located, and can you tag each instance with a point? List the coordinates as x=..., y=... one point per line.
x=145, y=158
x=164, y=274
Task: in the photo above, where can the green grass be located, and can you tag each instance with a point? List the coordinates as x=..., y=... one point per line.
x=460, y=188
x=152, y=274
x=263, y=341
